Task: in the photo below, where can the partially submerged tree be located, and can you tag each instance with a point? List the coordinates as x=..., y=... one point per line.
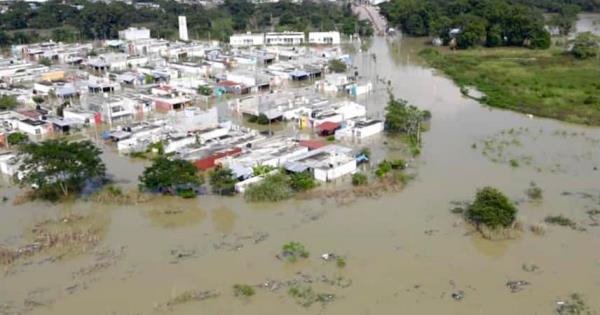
x=57, y=168
x=205, y=90
x=222, y=181
x=565, y=19
x=586, y=45
x=171, y=176
x=337, y=66
x=492, y=209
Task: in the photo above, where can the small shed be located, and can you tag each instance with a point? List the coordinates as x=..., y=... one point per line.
x=328, y=128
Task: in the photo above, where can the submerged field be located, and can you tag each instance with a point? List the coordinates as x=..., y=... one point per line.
x=544, y=83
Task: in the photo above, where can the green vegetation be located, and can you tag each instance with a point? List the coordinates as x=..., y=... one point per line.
x=564, y=20
x=17, y=138
x=386, y=166
x=306, y=296
x=491, y=23
x=205, y=90
x=8, y=102
x=402, y=118
x=544, y=83
x=280, y=186
x=45, y=61
x=148, y=79
x=534, y=192
x=273, y=188
x=359, y=179
x=293, y=251
x=586, y=45
x=57, y=168
x=176, y=177
x=243, y=290
x=561, y=221
x=38, y=99
x=340, y=262
x=260, y=170
x=492, y=209
x=302, y=181
x=100, y=20
x=574, y=305
x=514, y=163
x=337, y=66
x=222, y=181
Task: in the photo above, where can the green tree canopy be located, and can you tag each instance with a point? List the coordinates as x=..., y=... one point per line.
x=8, y=102
x=17, y=138
x=170, y=176
x=57, y=168
x=492, y=209
x=222, y=181
x=337, y=66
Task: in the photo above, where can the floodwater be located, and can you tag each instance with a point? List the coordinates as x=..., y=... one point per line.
x=405, y=251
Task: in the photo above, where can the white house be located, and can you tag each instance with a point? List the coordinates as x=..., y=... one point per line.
x=326, y=163
x=360, y=130
x=134, y=33
x=33, y=127
x=248, y=39
x=324, y=38
x=285, y=38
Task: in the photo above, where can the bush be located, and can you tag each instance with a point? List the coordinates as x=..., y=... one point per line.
x=359, y=179
x=534, y=192
x=560, y=220
x=293, y=251
x=17, y=138
x=302, y=181
x=340, y=262
x=337, y=66
x=272, y=188
x=492, y=209
x=262, y=119
x=223, y=181
x=243, y=290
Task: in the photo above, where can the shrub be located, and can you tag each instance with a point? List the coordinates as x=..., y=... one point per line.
x=492, y=209
x=222, y=181
x=359, y=179
x=337, y=66
x=560, y=220
x=17, y=138
x=272, y=188
x=302, y=181
x=243, y=290
x=534, y=192
x=177, y=176
x=340, y=262
x=293, y=251
x=262, y=119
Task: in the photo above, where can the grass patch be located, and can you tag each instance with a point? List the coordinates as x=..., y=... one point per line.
x=306, y=296
x=243, y=290
x=545, y=83
x=561, y=221
x=293, y=251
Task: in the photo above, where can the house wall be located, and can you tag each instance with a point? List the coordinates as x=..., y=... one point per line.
x=240, y=40
x=324, y=38
x=173, y=146
x=329, y=174
x=33, y=130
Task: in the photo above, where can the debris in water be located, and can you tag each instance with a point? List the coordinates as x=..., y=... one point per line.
x=458, y=296
x=530, y=268
x=516, y=286
x=328, y=256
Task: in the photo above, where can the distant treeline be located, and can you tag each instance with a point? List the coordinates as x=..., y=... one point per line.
x=481, y=22
x=73, y=20
x=555, y=5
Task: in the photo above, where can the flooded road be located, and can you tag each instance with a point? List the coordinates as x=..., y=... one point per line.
x=405, y=252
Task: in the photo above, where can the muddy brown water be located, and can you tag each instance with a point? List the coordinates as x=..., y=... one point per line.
x=405, y=252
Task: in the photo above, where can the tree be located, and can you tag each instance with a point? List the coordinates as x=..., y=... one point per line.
x=273, y=188
x=57, y=168
x=148, y=79
x=400, y=117
x=171, y=176
x=222, y=181
x=492, y=208
x=17, y=138
x=38, y=99
x=565, y=19
x=8, y=102
x=359, y=179
x=585, y=45
x=337, y=66
x=472, y=33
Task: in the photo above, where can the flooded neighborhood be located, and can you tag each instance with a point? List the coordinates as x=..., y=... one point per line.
x=400, y=245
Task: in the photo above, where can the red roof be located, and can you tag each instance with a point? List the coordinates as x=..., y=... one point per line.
x=209, y=161
x=228, y=83
x=312, y=144
x=328, y=126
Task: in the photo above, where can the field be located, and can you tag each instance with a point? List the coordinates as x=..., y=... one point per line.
x=545, y=83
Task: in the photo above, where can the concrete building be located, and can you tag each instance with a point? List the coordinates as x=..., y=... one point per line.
x=134, y=33
x=326, y=163
x=248, y=39
x=183, y=31
x=324, y=38
x=285, y=38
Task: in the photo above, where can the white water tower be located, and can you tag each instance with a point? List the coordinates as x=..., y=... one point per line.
x=183, y=33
